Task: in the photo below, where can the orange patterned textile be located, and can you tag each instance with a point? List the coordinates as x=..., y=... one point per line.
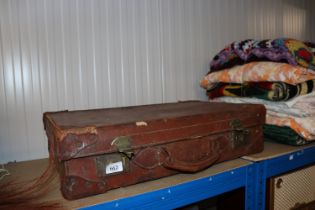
x=258, y=72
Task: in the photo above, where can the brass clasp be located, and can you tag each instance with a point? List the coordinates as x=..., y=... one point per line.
x=123, y=145
x=239, y=134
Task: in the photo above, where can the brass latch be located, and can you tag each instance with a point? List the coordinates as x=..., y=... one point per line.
x=123, y=145
x=239, y=134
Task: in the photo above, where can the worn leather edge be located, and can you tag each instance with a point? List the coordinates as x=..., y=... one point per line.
x=62, y=133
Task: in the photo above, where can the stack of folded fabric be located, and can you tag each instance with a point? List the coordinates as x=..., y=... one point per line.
x=278, y=73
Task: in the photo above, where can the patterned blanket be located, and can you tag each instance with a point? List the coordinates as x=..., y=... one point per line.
x=301, y=106
x=302, y=125
x=283, y=135
x=272, y=91
x=283, y=50
x=259, y=72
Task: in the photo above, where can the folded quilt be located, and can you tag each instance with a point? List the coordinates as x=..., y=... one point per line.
x=272, y=91
x=305, y=127
x=311, y=46
x=301, y=124
x=283, y=135
x=285, y=50
x=280, y=107
x=259, y=72
x=306, y=103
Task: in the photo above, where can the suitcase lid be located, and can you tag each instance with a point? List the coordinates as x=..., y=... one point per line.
x=99, y=127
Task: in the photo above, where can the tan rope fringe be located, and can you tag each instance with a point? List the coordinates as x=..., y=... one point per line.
x=3, y=172
x=26, y=195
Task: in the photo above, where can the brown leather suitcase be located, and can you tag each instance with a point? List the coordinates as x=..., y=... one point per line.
x=98, y=150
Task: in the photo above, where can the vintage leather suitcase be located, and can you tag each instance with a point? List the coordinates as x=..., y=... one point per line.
x=98, y=150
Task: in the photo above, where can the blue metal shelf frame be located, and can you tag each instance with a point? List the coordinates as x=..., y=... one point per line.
x=253, y=177
x=189, y=192
x=279, y=165
x=291, y=161
x=255, y=189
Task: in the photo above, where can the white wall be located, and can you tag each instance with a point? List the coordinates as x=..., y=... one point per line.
x=58, y=54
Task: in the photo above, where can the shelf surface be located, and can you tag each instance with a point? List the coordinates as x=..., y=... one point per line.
x=273, y=149
x=28, y=170
x=278, y=158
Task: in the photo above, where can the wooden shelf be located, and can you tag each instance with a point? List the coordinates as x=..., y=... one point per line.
x=250, y=172
x=176, y=189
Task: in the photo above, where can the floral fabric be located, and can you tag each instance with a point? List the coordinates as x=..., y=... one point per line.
x=272, y=91
x=303, y=125
x=262, y=72
x=281, y=107
x=258, y=72
x=291, y=51
x=305, y=103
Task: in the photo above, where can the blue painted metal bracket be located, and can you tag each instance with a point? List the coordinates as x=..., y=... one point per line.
x=255, y=189
x=182, y=194
x=262, y=170
x=253, y=177
x=291, y=161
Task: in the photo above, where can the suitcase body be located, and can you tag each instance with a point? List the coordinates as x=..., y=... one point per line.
x=102, y=149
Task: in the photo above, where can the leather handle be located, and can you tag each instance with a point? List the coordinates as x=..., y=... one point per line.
x=191, y=167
